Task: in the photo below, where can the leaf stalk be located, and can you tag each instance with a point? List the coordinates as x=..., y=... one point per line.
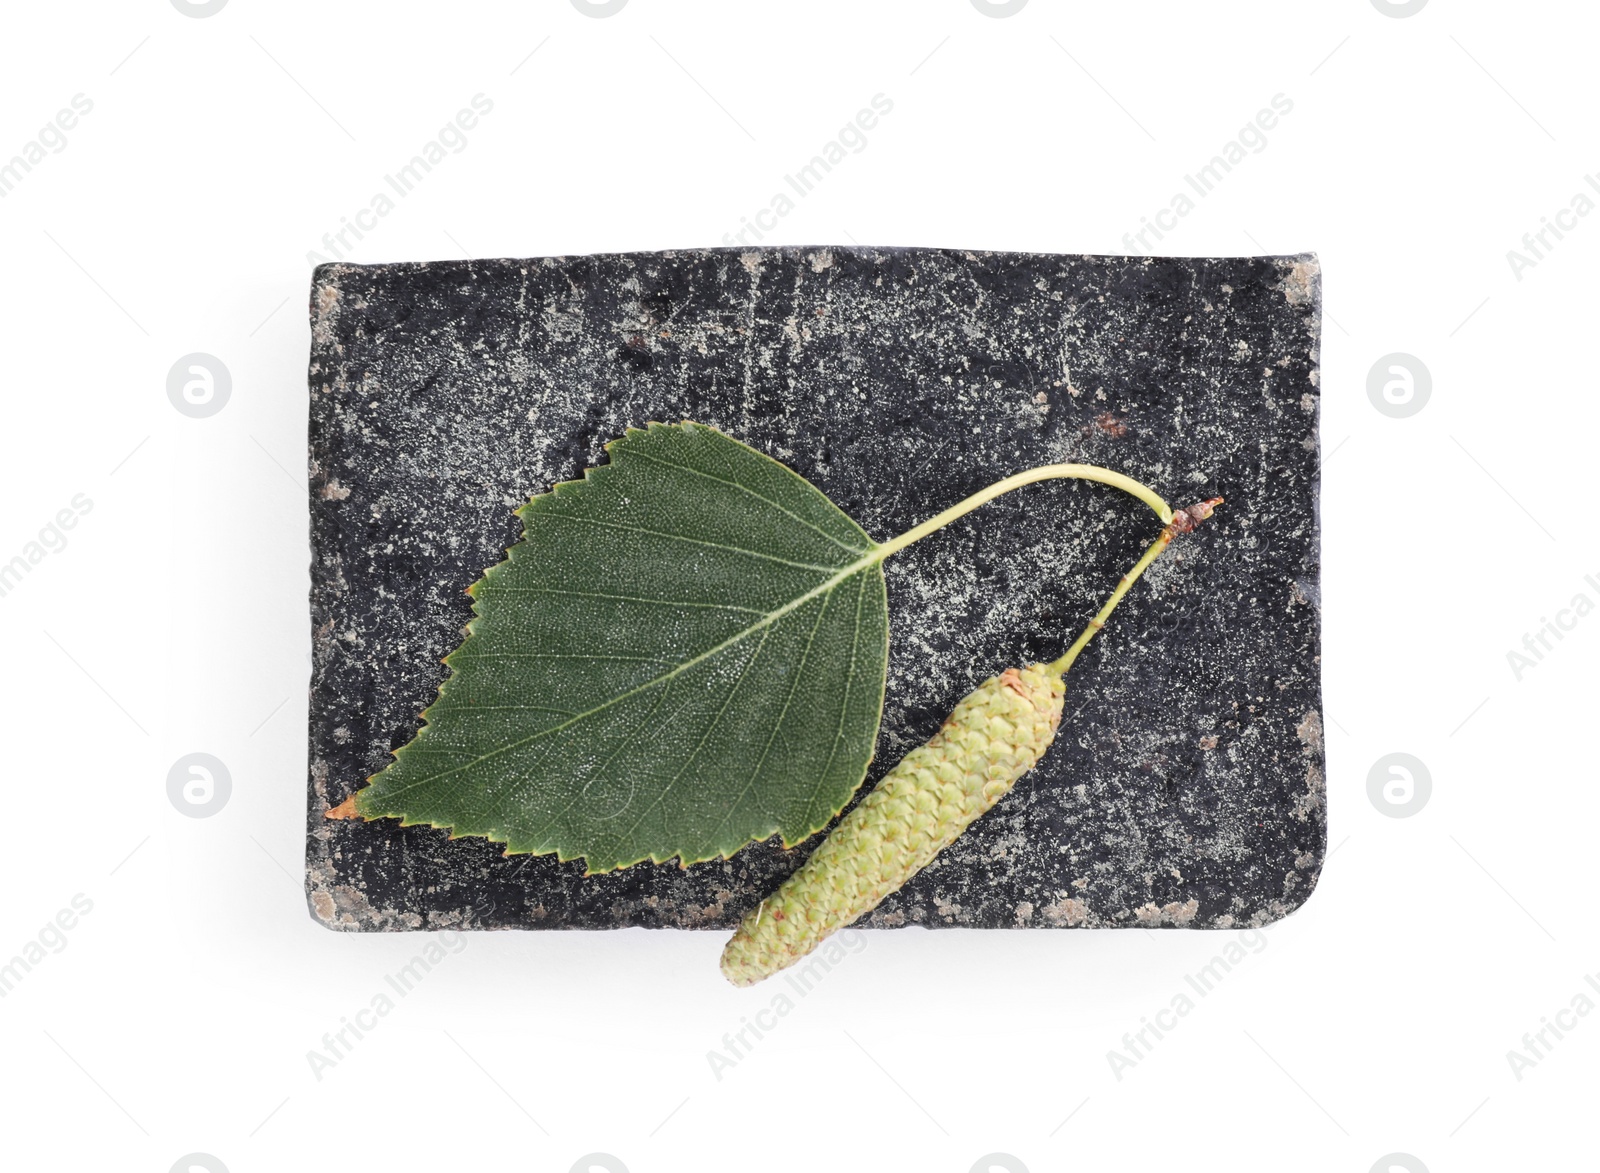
x=1045, y=472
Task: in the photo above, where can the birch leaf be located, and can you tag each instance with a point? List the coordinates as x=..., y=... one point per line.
x=684, y=653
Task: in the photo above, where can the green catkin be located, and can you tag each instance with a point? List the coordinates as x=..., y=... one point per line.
x=994, y=736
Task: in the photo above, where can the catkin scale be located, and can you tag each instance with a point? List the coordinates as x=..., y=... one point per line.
x=994, y=736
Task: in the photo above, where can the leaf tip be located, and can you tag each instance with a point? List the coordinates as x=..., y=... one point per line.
x=345, y=810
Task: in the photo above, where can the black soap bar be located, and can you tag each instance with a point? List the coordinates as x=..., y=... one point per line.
x=1186, y=786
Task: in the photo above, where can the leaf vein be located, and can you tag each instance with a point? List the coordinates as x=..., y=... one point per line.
x=844, y=705
x=468, y=708
x=502, y=590
x=783, y=715
x=557, y=656
x=865, y=563
x=685, y=538
x=581, y=794
x=746, y=489
x=705, y=737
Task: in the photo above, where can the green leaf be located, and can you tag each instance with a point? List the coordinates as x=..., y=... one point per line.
x=685, y=652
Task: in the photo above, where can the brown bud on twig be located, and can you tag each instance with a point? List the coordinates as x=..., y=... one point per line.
x=1187, y=520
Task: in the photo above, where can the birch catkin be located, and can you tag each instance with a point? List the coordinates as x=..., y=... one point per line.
x=994, y=736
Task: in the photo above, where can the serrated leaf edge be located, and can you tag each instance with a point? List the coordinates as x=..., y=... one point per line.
x=872, y=556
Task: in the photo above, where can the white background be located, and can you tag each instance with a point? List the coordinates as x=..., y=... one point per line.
x=178, y=218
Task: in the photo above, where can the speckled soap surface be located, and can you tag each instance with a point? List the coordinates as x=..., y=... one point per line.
x=1185, y=788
